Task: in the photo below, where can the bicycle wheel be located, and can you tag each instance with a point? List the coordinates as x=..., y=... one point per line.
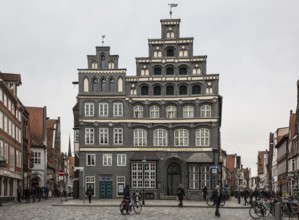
x=210, y=202
x=122, y=208
x=255, y=212
x=222, y=203
x=137, y=207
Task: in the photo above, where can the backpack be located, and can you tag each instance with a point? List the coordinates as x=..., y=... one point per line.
x=180, y=191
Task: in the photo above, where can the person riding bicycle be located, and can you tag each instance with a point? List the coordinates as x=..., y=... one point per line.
x=127, y=197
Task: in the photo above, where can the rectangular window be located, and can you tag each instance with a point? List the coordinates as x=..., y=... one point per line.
x=120, y=185
x=118, y=135
x=1, y=119
x=149, y=175
x=1, y=150
x=193, y=177
x=9, y=104
x=5, y=151
x=121, y=160
x=5, y=124
x=89, y=109
x=1, y=95
x=13, y=128
x=76, y=135
x=103, y=135
x=117, y=109
x=5, y=99
x=12, y=158
x=89, y=135
x=90, y=159
x=103, y=109
x=36, y=157
x=9, y=127
x=205, y=177
x=107, y=159
x=90, y=181
x=19, y=159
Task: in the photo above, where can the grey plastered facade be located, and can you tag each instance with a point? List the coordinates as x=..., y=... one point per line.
x=168, y=113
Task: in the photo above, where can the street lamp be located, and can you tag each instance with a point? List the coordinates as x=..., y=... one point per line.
x=238, y=174
x=143, y=165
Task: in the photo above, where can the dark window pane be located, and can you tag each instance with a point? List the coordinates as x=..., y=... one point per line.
x=157, y=71
x=94, y=85
x=157, y=90
x=169, y=90
x=196, y=90
x=169, y=71
x=183, y=71
x=183, y=90
x=170, y=53
x=144, y=90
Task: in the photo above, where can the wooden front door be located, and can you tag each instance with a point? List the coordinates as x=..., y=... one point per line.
x=174, y=178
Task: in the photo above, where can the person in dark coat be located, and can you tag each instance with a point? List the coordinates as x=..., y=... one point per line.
x=33, y=194
x=204, y=193
x=89, y=193
x=180, y=194
x=19, y=192
x=216, y=197
x=246, y=195
x=127, y=198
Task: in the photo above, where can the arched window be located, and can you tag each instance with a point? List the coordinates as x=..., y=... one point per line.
x=183, y=71
x=205, y=111
x=138, y=111
x=183, y=90
x=85, y=84
x=169, y=71
x=94, y=65
x=181, y=137
x=140, y=137
x=103, y=85
x=170, y=52
x=171, y=111
x=188, y=111
x=103, y=63
x=157, y=90
x=94, y=85
x=160, y=137
x=144, y=90
x=120, y=85
x=144, y=71
x=196, y=89
x=111, y=85
x=154, y=111
x=202, y=137
x=196, y=70
x=157, y=53
x=157, y=71
x=111, y=65
x=170, y=34
x=169, y=90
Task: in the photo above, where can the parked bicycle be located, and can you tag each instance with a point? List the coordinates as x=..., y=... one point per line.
x=126, y=206
x=210, y=201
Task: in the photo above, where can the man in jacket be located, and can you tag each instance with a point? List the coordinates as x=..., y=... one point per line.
x=180, y=194
x=89, y=193
x=216, y=197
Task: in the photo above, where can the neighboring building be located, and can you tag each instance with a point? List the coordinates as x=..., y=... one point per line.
x=232, y=170
x=53, y=153
x=70, y=170
x=38, y=132
x=246, y=175
x=262, y=161
x=11, y=148
x=154, y=130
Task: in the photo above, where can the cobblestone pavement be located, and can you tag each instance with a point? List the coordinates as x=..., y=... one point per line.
x=52, y=209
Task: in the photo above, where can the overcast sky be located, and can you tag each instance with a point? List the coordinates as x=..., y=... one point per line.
x=252, y=44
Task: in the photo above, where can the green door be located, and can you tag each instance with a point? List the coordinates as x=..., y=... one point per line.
x=106, y=189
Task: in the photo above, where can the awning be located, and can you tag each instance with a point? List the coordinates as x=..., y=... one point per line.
x=202, y=157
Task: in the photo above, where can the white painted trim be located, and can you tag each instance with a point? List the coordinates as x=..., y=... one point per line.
x=134, y=149
x=151, y=120
x=174, y=98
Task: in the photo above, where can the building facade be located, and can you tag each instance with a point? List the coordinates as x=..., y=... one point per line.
x=155, y=130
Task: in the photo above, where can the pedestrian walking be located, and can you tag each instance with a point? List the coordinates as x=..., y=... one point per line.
x=89, y=193
x=19, y=193
x=33, y=194
x=46, y=192
x=180, y=194
x=27, y=195
x=216, y=197
x=246, y=195
x=204, y=193
x=39, y=193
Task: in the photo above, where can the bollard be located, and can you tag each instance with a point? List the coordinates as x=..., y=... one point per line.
x=277, y=211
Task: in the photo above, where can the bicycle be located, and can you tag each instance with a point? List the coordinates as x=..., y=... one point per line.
x=126, y=206
x=210, y=201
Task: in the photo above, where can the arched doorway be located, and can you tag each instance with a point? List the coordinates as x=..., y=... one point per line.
x=174, y=178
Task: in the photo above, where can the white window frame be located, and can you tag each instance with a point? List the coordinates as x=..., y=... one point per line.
x=12, y=158
x=19, y=158
x=89, y=135
x=202, y=137
x=160, y=137
x=89, y=109
x=103, y=109
x=140, y=137
x=37, y=157
x=171, y=111
x=1, y=150
x=118, y=136
x=205, y=111
x=5, y=124
x=205, y=176
x=154, y=111
x=118, y=109
x=149, y=175
x=193, y=177
x=107, y=159
x=90, y=159
x=120, y=185
x=90, y=181
x=121, y=160
x=138, y=111
x=103, y=136
x=1, y=120
x=5, y=99
x=181, y=137
x=188, y=111
x=5, y=151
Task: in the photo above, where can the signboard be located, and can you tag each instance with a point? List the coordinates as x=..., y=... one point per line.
x=60, y=178
x=78, y=168
x=60, y=173
x=214, y=171
x=2, y=163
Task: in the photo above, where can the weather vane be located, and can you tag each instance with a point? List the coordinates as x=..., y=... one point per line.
x=103, y=36
x=172, y=5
